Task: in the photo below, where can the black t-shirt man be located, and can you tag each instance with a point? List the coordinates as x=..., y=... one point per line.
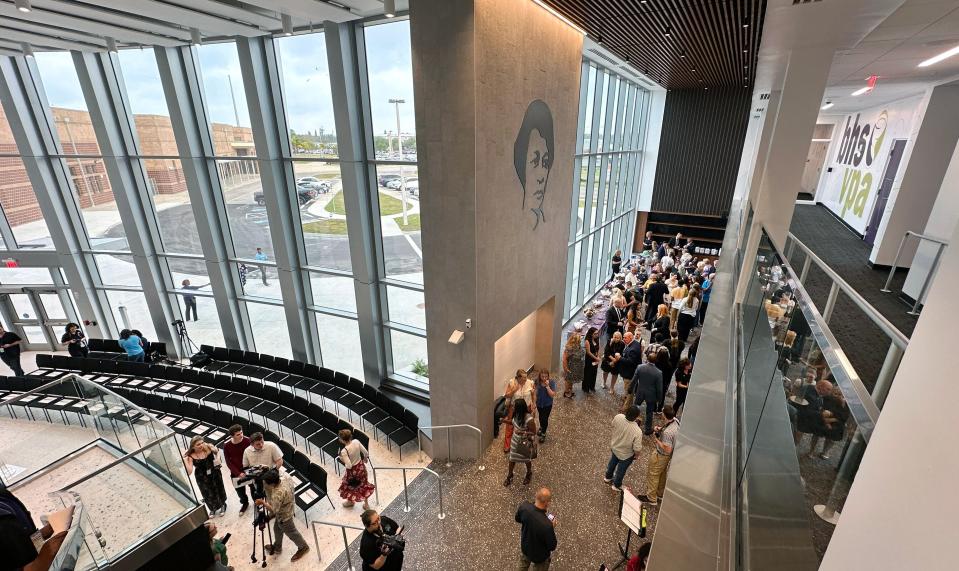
x=79, y=348
x=7, y=338
x=370, y=552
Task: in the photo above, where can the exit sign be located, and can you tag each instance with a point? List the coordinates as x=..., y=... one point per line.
x=11, y=263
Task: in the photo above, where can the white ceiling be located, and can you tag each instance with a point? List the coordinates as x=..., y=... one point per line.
x=918, y=30
x=85, y=24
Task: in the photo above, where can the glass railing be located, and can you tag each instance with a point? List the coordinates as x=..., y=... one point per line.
x=75, y=442
x=806, y=416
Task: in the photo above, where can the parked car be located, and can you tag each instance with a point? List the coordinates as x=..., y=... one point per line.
x=398, y=182
x=313, y=183
x=386, y=179
x=413, y=186
x=304, y=194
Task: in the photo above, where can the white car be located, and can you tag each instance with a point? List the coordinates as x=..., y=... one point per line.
x=413, y=186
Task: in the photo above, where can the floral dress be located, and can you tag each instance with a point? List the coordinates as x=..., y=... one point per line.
x=210, y=481
x=575, y=358
x=355, y=486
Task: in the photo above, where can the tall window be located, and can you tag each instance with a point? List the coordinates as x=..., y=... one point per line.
x=17, y=198
x=612, y=117
x=389, y=66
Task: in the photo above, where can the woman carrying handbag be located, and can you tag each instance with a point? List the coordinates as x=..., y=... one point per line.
x=356, y=486
x=523, y=446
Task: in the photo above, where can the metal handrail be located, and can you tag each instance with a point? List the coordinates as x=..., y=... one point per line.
x=932, y=269
x=346, y=544
x=449, y=447
x=116, y=462
x=406, y=492
x=897, y=337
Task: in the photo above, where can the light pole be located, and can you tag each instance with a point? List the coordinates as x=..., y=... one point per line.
x=83, y=171
x=399, y=148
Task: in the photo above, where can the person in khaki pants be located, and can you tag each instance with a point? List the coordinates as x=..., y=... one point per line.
x=659, y=459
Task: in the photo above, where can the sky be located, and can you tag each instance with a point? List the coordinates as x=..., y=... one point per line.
x=306, y=82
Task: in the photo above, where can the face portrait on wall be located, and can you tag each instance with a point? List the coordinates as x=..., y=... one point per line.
x=533, y=157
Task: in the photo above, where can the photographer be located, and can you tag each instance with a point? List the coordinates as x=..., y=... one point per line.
x=376, y=553
x=280, y=501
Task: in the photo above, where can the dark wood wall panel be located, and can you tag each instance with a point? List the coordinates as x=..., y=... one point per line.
x=700, y=150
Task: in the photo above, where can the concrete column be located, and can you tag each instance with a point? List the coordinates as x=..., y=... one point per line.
x=781, y=171
x=901, y=510
x=485, y=257
x=925, y=160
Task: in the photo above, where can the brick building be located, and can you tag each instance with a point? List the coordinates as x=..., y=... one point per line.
x=75, y=129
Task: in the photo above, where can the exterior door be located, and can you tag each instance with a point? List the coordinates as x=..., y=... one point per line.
x=882, y=197
x=38, y=315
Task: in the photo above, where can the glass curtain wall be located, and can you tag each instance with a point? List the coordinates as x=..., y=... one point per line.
x=608, y=163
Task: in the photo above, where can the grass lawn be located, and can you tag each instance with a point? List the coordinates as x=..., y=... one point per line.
x=414, y=223
x=388, y=205
x=332, y=226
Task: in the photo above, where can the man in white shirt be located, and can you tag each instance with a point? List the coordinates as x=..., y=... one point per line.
x=262, y=453
x=632, y=278
x=625, y=445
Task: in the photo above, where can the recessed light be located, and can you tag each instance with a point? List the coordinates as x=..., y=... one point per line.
x=22, y=5
x=669, y=31
x=682, y=54
x=827, y=105
x=936, y=59
x=860, y=91
x=745, y=21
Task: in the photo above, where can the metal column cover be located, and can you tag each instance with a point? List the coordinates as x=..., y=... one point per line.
x=113, y=124
x=182, y=86
x=345, y=56
x=33, y=130
x=261, y=83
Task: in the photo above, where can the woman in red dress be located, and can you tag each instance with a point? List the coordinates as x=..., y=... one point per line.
x=355, y=486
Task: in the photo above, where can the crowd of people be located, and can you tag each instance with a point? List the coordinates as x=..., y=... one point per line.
x=657, y=301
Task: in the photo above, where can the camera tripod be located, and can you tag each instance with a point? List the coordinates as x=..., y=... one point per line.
x=260, y=521
x=186, y=345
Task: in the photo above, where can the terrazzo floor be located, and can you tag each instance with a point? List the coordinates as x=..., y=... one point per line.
x=479, y=531
x=33, y=445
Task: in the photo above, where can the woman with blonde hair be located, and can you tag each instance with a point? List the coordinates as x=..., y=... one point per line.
x=573, y=362
x=688, y=313
x=660, y=331
x=203, y=458
x=611, y=355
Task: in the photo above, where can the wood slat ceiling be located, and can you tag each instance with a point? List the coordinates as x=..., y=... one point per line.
x=719, y=50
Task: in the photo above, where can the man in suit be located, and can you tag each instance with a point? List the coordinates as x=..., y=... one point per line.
x=632, y=357
x=616, y=317
x=647, y=386
x=676, y=242
x=655, y=294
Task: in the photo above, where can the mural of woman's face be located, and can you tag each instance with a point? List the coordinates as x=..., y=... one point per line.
x=538, y=163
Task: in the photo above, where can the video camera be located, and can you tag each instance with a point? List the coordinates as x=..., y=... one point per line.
x=255, y=475
x=392, y=539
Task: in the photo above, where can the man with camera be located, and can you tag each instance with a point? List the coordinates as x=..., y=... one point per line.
x=380, y=549
x=280, y=501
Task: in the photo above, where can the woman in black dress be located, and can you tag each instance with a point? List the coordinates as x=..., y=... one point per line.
x=203, y=458
x=616, y=263
x=684, y=371
x=611, y=355
x=75, y=341
x=592, y=360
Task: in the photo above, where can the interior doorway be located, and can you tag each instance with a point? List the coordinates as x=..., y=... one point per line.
x=885, y=187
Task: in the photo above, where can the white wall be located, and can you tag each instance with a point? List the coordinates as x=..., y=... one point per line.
x=515, y=350
x=837, y=125
x=901, y=511
x=942, y=219
x=654, y=129
x=862, y=177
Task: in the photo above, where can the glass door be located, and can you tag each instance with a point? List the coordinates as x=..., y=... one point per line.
x=38, y=315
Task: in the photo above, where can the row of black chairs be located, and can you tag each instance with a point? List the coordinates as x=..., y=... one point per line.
x=65, y=399
x=374, y=409
x=110, y=348
x=352, y=393
x=309, y=478
x=308, y=420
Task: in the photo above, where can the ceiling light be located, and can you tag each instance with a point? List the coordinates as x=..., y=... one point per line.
x=682, y=54
x=389, y=8
x=693, y=70
x=859, y=92
x=627, y=57
x=827, y=105
x=669, y=31
x=287, y=22
x=599, y=39
x=111, y=45
x=746, y=21
x=22, y=5
x=552, y=11
x=26, y=49
x=936, y=59
x=195, y=37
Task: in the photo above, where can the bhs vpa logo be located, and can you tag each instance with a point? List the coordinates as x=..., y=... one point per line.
x=860, y=144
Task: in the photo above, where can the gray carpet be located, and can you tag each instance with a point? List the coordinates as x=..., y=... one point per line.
x=848, y=255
